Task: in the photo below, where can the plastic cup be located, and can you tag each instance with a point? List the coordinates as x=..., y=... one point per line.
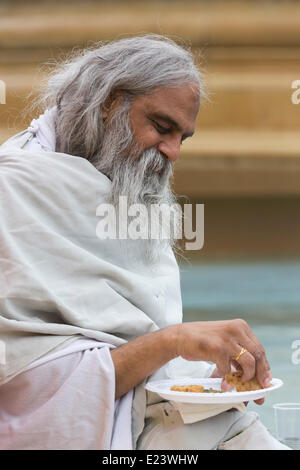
x=287, y=421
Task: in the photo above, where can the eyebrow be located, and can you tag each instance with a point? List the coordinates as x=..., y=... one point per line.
x=167, y=119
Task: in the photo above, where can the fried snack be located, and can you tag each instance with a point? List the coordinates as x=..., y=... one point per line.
x=194, y=388
x=188, y=388
x=235, y=379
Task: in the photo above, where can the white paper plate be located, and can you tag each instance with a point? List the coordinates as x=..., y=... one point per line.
x=162, y=388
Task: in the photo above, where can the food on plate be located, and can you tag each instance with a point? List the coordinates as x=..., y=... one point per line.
x=235, y=379
x=194, y=388
x=188, y=388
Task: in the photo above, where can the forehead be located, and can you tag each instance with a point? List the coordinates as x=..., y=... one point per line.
x=181, y=103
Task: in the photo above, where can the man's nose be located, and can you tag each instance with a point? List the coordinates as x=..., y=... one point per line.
x=170, y=149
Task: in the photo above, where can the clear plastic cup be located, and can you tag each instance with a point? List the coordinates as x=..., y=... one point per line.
x=287, y=421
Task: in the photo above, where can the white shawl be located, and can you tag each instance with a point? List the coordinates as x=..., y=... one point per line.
x=58, y=280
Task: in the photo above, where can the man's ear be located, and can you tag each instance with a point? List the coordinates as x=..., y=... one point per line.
x=110, y=103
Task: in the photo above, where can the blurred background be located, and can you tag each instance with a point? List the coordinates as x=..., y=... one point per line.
x=243, y=162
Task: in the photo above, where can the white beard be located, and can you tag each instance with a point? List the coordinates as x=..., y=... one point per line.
x=143, y=179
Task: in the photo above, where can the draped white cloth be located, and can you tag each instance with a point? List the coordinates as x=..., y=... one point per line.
x=51, y=411
x=65, y=401
x=59, y=281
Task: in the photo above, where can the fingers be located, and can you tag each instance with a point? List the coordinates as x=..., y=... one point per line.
x=225, y=386
x=263, y=370
x=215, y=373
x=223, y=366
x=222, y=342
x=253, y=362
x=246, y=362
x=260, y=401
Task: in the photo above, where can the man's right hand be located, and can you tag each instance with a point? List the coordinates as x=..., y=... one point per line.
x=218, y=341
x=221, y=342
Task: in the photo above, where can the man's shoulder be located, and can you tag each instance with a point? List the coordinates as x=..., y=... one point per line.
x=18, y=158
x=24, y=170
x=14, y=159
x=16, y=141
x=17, y=154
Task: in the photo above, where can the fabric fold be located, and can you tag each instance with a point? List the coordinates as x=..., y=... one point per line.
x=58, y=280
x=193, y=412
x=67, y=403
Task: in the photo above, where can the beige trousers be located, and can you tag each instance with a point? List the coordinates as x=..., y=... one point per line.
x=230, y=430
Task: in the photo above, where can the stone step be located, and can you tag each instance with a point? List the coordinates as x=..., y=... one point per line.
x=199, y=22
x=243, y=97
x=251, y=56
x=242, y=144
x=239, y=163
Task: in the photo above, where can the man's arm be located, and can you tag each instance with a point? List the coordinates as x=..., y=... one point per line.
x=141, y=357
x=219, y=342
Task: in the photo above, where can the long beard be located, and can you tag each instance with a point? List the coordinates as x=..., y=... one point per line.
x=143, y=178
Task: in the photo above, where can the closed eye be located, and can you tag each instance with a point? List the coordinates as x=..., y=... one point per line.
x=161, y=129
x=165, y=130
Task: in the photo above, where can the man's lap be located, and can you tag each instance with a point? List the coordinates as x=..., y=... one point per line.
x=166, y=430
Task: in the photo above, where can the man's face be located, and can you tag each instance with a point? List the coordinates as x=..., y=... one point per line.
x=141, y=142
x=165, y=118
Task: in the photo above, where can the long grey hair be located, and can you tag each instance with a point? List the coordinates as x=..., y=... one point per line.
x=80, y=86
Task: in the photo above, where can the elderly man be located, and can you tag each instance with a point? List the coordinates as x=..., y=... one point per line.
x=85, y=320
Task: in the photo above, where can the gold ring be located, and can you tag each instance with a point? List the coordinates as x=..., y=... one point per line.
x=242, y=351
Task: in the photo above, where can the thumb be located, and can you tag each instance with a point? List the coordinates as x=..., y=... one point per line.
x=223, y=368
x=225, y=386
